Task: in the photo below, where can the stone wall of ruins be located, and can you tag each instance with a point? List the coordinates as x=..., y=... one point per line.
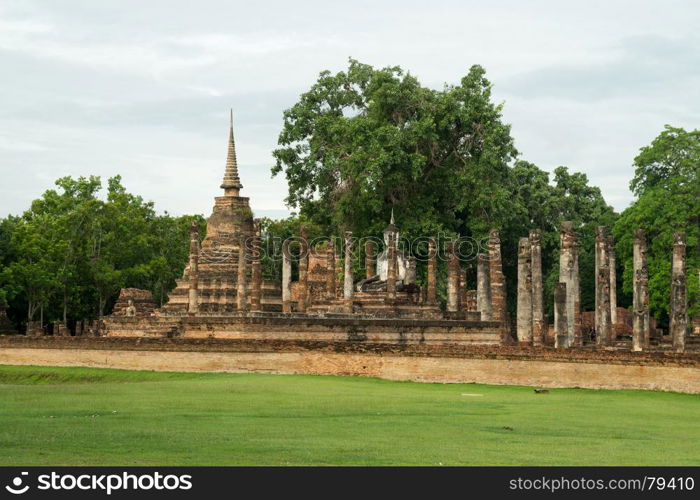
x=424, y=363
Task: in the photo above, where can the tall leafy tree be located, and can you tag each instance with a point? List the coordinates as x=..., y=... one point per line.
x=366, y=140
x=667, y=186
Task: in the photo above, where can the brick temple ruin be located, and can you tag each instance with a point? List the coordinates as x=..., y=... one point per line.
x=223, y=294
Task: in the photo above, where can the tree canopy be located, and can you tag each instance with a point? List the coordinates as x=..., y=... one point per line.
x=667, y=185
x=365, y=140
x=70, y=253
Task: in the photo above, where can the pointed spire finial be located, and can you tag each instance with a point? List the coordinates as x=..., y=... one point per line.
x=392, y=216
x=232, y=183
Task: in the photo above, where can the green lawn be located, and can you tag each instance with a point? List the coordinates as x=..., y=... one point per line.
x=81, y=416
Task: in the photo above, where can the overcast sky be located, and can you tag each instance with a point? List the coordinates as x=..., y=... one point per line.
x=142, y=88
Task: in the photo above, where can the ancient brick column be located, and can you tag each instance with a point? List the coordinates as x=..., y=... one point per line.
x=452, y=278
x=432, y=269
x=330, y=266
x=286, y=277
x=538, y=323
x=348, y=284
x=678, y=312
x=561, y=328
x=640, y=293
x=391, y=269
x=369, y=259
x=303, y=270
x=613, y=284
x=242, y=288
x=193, y=274
x=256, y=272
x=524, y=310
x=568, y=273
x=603, y=327
x=483, y=287
x=498, y=284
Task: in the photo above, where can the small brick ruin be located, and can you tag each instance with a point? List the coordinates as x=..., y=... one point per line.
x=134, y=302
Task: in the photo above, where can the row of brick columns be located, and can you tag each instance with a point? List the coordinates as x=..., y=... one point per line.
x=490, y=293
x=567, y=302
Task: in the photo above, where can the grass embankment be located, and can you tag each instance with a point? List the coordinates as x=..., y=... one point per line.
x=82, y=416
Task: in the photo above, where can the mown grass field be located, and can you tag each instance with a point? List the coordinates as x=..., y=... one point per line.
x=80, y=416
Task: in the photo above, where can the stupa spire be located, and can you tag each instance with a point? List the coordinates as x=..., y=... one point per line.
x=232, y=183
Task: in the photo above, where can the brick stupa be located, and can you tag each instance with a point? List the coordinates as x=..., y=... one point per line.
x=215, y=279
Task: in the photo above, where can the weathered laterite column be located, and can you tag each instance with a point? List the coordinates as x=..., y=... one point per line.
x=452, y=278
x=330, y=266
x=568, y=273
x=603, y=329
x=561, y=327
x=193, y=276
x=242, y=288
x=498, y=285
x=391, y=269
x=679, y=294
x=613, y=284
x=286, y=277
x=369, y=259
x=538, y=323
x=348, y=285
x=524, y=309
x=602, y=287
x=483, y=287
x=303, y=270
x=640, y=293
x=256, y=272
x=432, y=269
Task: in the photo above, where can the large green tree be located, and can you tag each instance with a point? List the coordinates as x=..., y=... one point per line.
x=366, y=140
x=667, y=186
